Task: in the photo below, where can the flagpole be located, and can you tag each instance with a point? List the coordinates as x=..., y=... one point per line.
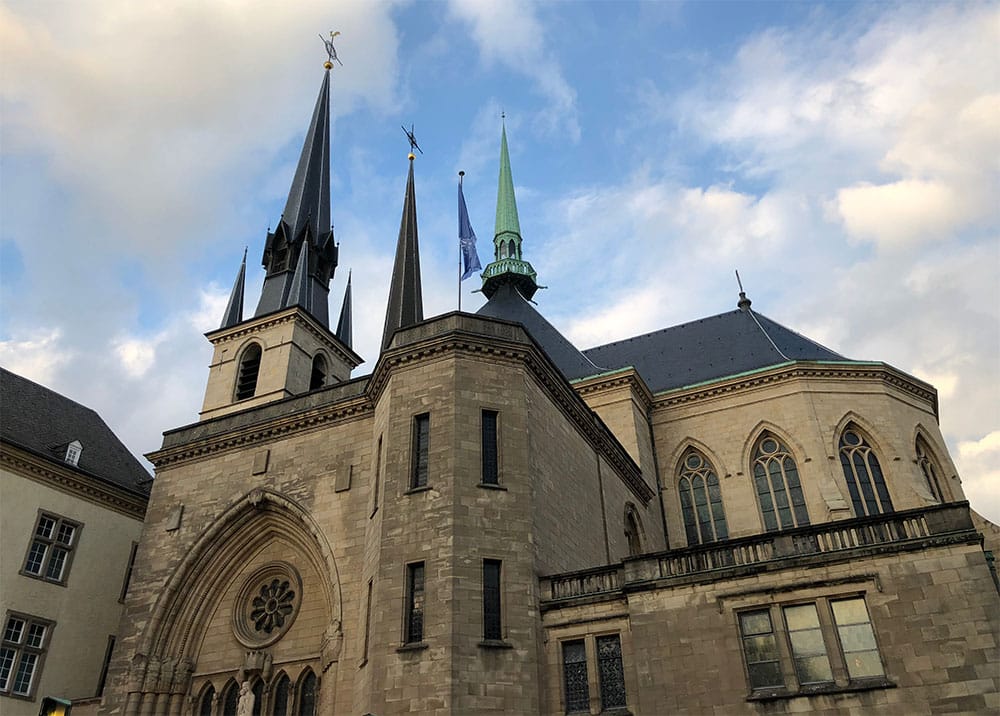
x=461, y=176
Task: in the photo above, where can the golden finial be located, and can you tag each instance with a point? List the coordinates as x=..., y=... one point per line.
x=411, y=156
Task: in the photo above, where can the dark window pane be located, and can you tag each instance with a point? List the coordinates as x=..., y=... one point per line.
x=415, y=603
x=765, y=675
x=491, y=599
x=246, y=382
x=231, y=700
x=575, y=677
x=489, y=448
x=281, y=694
x=421, y=440
x=205, y=708
x=307, y=695
x=612, y=674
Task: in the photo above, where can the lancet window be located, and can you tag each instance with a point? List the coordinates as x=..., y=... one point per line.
x=246, y=381
x=863, y=473
x=776, y=480
x=701, y=500
x=929, y=468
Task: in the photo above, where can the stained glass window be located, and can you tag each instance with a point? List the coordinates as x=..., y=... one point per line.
x=701, y=500
x=575, y=677
x=611, y=672
x=776, y=480
x=863, y=473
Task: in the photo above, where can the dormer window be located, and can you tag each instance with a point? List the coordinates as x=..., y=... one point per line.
x=73, y=451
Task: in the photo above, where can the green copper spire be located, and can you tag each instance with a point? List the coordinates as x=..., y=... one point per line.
x=507, y=266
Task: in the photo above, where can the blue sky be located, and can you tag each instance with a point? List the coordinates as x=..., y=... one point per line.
x=842, y=156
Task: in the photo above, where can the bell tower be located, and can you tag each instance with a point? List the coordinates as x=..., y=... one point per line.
x=287, y=347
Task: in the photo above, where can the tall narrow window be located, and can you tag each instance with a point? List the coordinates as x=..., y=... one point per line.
x=50, y=553
x=857, y=638
x=701, y=500
x=318, y=377
x=246, y=381
x=307, y=695
x=929, y=468
x=575, y=677
x=611, y=672
x=207, y=702
x=492, y=630
x=776, y=480
x=632, y=532
x=368, y=620
x=761, y=650
x=128, y=571
x=22, y=649
x=281, y=696
x=414, y=625
x=491, y=471
x=104, y=667
x=377, y=476
x=231, y=699
x=812, y=665
x=863, y=474
x=421, y=446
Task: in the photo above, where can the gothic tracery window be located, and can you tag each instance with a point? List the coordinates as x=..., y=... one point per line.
x=863, y=473
x=776, y=481
x=929, y=468
x=701, y=500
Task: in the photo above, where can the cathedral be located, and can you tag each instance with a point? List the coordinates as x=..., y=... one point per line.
x=720, y=517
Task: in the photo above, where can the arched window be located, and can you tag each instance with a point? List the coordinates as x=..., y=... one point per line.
x=929, y=467
x=307, y=694
x=205, y=703
x=701, y=500
x=633, y=532
x=258, y=697
x=246, y=381
x=776, y=480
x=280, y=696
x=318, y=377
x=863, y=473
x=230, y=699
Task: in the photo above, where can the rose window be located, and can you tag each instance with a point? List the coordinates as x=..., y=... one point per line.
x=272, y=606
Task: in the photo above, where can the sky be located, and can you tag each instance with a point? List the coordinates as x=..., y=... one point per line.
x=842, y=156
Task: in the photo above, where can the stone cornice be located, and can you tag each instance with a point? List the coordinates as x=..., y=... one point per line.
x=75, y=483
x=287, y=315
x=607, y=382
x=264, y=431
x=786, y=372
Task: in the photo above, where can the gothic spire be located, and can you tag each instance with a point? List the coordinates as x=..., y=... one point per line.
x=406, y=305
x=234, y=309
x=306, y=220
x=299, y=294
x=507, y=266
x=344, y=332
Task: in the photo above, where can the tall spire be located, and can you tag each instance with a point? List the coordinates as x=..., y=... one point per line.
x=234, y=309
x=306, y=220
x=299, y=294
x=406, y=304
x=344, y=332
x=507, y=266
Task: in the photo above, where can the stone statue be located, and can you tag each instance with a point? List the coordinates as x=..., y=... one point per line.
x=246, y=702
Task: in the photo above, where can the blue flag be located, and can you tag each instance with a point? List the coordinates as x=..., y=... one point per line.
x=466, y=239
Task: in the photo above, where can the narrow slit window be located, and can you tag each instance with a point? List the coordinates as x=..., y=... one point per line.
x=491, y=465
x=414, y=617
x=421, y=447
x=246, y=381
x=368, y=619
x=492, y=629
x=128, y=571
x=376, y=478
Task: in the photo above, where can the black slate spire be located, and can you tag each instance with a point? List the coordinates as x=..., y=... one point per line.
x=406, y=304
x=306, y=221
x=344, y=332
x=234, y=309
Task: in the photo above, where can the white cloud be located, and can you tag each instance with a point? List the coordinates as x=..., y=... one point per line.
x=38, y=355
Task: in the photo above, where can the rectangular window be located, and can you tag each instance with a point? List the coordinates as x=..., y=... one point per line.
x=25, y=639
x=414, y=624
x=492, y=630
x=377, y=476
x=611, y=672
x=368, y=620
x=421, y=444
x=491, y=471
x=806, y=634
x=575, y=677
x=107, y=663
x=128, y=571
x=50, y=551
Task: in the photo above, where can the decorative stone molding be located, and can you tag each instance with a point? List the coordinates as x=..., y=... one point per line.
x=333, y=642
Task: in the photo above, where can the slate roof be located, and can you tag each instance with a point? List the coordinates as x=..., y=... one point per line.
x=507, y=303
x=709, y=348
x=44, y=422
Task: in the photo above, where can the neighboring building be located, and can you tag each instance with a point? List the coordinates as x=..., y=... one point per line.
x=720, y=517
x=72, y=500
